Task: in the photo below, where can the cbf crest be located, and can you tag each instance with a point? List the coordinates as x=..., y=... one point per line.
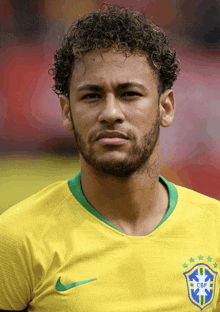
x=201, y=284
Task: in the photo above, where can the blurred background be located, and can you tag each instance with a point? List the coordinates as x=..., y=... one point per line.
x=35, y=151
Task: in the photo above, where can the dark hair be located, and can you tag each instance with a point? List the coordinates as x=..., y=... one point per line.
x=122, y=29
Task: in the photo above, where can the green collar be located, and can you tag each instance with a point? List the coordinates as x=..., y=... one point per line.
x=75, y=187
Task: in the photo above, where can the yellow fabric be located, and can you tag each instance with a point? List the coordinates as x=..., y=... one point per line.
x=50, y=235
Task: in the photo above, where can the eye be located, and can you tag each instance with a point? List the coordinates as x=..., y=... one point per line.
x=131, y=93
x=90, y=96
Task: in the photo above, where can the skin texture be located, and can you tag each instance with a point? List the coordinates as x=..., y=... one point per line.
x=120, y=181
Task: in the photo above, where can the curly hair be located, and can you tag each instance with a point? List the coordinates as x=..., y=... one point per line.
x=123, y=30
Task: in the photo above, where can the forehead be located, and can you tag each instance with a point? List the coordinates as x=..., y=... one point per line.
x=109, y=67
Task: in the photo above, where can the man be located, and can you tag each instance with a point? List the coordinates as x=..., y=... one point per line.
x=117, y=236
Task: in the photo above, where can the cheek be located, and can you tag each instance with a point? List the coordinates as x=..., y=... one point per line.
x=82, y=123
x=81, y=128
x=141, y=120
x=144, y=123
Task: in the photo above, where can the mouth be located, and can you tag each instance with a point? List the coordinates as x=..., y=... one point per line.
x=112, y=141
x=112, y=138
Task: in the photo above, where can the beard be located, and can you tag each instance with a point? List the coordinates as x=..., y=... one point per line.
x=137, y=156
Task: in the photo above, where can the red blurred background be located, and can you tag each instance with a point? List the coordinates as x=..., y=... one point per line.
x=30, y=115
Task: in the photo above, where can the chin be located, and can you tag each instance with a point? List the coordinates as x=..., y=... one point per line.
x=115, y=166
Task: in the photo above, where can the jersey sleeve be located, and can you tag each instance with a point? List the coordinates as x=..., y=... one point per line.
x=15, y=271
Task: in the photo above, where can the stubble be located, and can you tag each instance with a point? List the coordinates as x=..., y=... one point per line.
x=137, y=156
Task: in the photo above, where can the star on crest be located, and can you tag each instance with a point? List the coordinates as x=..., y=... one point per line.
x=201, y=257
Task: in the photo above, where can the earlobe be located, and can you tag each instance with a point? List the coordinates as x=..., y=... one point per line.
x=167, y=108
x=65, y=107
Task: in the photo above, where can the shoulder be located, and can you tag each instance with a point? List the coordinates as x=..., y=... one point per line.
x=35, y=210
x=52, y=194
x=192, y=198
x=25, y=230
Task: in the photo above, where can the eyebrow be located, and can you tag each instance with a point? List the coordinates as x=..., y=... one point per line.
x=120, y=87
x=127, y=85
x=89, y=87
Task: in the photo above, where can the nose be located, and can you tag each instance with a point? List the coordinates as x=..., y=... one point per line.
x=111, y=111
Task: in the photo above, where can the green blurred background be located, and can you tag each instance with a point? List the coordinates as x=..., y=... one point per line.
x=25, y=174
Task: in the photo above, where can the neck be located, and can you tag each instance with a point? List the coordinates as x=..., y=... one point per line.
x=127, y=202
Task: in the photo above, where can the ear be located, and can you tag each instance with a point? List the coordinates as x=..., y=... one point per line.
x=65, y=107
x=167, y=108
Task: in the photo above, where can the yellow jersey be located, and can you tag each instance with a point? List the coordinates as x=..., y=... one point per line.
x=57, y=253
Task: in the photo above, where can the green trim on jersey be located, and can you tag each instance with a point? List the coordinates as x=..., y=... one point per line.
x=75, y=187
x=172, y=199
x=74, y=184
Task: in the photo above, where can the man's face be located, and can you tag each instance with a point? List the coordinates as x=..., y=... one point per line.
x=118, y=95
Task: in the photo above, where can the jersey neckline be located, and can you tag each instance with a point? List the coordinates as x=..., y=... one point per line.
x=74, y=184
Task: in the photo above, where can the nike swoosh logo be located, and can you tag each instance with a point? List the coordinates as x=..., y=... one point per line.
x=62, y=287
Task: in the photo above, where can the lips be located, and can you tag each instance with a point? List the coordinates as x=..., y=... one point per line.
x=108, y=134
